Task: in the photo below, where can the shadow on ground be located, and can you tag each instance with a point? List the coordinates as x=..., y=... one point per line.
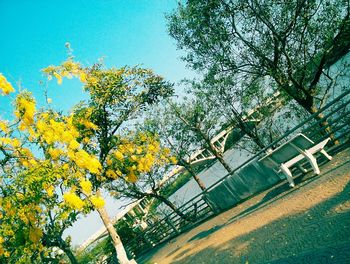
x=320, y=235
x=275, y=194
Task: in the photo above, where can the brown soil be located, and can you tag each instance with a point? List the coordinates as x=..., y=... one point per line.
x=307, y=224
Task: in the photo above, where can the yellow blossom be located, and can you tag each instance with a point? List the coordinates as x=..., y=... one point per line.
x=73, y=201
x=109, y=162
x=173, y=160
x=74, y=144
x=50, y=190
x=35, y=234
x=5, y=86
x=58, y=77
x=86, y=186
x=86, y=161
x=4, y=127
x=131, y=177
x=54, y=153
x=118, y=155
x=111, y=174
x=83, y=77
x=97, y=201
x=25, y=109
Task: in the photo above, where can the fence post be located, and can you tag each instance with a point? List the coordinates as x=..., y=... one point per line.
x=168, y=221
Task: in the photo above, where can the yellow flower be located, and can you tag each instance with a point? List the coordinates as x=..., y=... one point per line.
x=54, y=153
x=5, y=141
x=5, y=86
x=35, y=234
x=50, y=190
x=74, y=144
x=109, y=162
x=86, y=186
x=138, y=150
x=16, y=143
x=67, y=137
x=140, y=167
x=118, y=155
x=8, y=141
x=111, y=174
x=92, y=80
x=73, y=201
x=86, y=161
x=173, y=160
x=89, y=124
x=25, y=109
x=82, y=77
x=131, y=177
x=58, y=77
x=97, y=201
x=4, y=127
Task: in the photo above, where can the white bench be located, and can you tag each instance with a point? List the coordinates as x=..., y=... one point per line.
x=293, y=151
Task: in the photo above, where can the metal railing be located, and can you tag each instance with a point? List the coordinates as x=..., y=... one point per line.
x=332, y=120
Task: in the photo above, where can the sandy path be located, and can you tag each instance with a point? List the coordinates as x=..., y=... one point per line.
x=310, y=222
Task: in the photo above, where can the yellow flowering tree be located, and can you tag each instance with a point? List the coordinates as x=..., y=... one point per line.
x=146, y=163
x=43, y=185
x=117, y=96
x=54, y=166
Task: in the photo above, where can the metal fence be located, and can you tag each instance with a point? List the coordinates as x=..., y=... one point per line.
x=333, y=120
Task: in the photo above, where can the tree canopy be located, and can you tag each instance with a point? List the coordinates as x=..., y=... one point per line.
x=291, y=44
x=54, y=166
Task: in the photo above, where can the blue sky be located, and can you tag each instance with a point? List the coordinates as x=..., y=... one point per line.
x=124, y=32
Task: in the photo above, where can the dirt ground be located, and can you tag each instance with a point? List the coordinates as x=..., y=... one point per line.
x=307, y=224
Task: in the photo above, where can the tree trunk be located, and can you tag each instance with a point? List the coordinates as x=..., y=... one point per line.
x=219, y=156
x=223, y=162
x=66, y=249
x=309, y=105
x=246, y=129
x=57, y=241
x=117, y=243
x=214, y=150
x=252, y=136
x=194, y=175
x=171, y=206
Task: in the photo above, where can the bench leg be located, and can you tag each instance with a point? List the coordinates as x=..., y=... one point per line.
x=301, y=168
x=312, y=161
x=326, y=154
x=288, y=174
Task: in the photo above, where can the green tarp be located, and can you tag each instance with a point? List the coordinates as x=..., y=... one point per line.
x=251, y=179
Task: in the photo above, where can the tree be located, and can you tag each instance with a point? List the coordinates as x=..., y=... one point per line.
x=33, y=181
x=291, y=44
x=54, y=165
x=153, y=169
x=201, y=121
x=116, y=97
x=243, y=109
x=175, y=138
